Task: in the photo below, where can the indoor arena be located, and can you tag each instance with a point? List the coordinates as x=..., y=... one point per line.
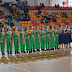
x=35, y=35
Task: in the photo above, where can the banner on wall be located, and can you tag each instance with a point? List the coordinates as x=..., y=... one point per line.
x=64, y=3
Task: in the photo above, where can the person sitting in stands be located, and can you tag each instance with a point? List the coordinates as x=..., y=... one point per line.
x=9, y=21
x=54, y=19
x=64, y=15
x=44, y=20
x=39, y=12
x=52, y=14
x=37, y=7
x=11, y=24
x=24, y=18
x=22, y=12
x=27, y=17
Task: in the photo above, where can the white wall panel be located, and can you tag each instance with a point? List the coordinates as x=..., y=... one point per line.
x=60, y=2
x=8, y=1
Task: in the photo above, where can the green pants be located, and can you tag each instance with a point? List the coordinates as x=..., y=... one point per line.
x=16, y=44
x=9, y=46
x=22, y=46
x=56, y=41
x=51, y=43
x=34, y=45
x=27, y=43
x=2, y=47
x=46, y=41
x=37, y=42
x=42, y=43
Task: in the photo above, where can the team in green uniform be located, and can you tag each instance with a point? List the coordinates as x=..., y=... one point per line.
x=30, y=40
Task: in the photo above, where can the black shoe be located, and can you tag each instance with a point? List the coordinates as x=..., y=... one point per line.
x=43, y=50
x=3, y=53
x=48, y=49
x=34, y=50
x=10, y=52
x=52, y=48
x=27, y=51
x=24, y=52
x=15, y=52
x=18, y=52
x=21, y=51
x=38, y=50
x=57, y=48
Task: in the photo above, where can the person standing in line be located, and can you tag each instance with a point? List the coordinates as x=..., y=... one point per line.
x=56, y=38
x=2, y=41
x=69, y=36
x=61, y=37
x=27, y=39
x=9, y=35
x=43, y=39
x=16, y=35
x=22, y=41
x=66, y=39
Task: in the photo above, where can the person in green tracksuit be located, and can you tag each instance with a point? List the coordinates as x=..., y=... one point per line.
x=56, y=38
x=46, y=39
x=30, y=41
x=9, y=35
x=16, y=35
x=33, y=39
x=27, y=39
x=52, y=40
x=2, y=41
x=38, y=39
x=22, y=41
x=43, y=40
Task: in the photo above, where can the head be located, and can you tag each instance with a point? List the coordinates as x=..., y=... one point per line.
x=68, y=27
x=22, y=29
x=48, y=27
x=28, y=28
x=61, y=26
x=56, y=27
x=16, y=29
x=37, y=27
x=2, y=30
x=9, y=29
x=42, y=28
x=52, y=27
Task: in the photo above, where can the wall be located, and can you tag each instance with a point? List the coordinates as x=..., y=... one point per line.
x=8, y=1
x=46, y=2
x=60, y=2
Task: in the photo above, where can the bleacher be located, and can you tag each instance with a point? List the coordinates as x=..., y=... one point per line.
x=36, y=21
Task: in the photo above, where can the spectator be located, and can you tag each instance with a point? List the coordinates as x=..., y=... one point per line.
x=43, y=5
x=37, y=7
x=64, y=15
x=9, y=21
x=58, y=6
x=27, y=17
x=55, y=6
x=24, y=18
x=11, y=24
x=44, y=20
x=40, y=5
x=39, y=12
x=52, y=14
